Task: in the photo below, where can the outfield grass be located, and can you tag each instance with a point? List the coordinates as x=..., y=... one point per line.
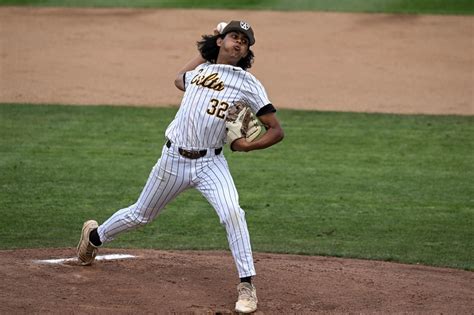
x=387, y=6
x=374, y=186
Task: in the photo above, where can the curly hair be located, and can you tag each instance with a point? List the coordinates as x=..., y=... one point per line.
x=209, y=51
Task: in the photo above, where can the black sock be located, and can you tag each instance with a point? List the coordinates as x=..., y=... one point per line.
x=246, y=279
x=94, y=238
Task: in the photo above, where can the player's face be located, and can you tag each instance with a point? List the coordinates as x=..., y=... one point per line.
x=234, y=45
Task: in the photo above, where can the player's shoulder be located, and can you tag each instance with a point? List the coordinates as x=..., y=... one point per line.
x=202, y=66
x=233, y=70
x=251, y=78
x=243, y=73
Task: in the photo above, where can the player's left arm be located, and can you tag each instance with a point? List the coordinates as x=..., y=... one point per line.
x=190, y=65
x=273, y=135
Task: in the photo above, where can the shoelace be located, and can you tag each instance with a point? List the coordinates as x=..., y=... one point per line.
x=245, y=293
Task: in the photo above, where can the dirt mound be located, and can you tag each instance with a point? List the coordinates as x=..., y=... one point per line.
x=204, y=283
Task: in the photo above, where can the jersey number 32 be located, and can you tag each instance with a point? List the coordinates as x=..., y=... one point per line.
x=217, y=108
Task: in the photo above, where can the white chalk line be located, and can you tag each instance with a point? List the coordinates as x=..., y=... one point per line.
x=100, y=257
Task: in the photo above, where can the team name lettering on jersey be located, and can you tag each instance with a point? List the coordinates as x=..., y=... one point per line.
x=211, y=81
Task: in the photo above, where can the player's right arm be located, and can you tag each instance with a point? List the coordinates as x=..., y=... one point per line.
x=273, y=135
x=190, y=65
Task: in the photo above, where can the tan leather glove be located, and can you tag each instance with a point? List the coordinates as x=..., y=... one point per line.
x=241, y=122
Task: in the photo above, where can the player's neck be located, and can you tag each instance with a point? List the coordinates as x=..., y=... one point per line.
x=225, y=60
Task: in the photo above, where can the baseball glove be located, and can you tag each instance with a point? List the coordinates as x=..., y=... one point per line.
x=241, y=122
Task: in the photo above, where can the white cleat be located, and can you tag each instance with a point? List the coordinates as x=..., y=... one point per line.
x=247, y=301
x=86, y=252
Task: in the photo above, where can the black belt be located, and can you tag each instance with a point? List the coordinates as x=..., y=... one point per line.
x=193, y=155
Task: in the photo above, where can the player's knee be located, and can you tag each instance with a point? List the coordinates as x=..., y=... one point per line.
x=232, y=216
x=138, y=219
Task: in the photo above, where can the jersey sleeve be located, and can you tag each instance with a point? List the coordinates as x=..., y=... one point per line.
x=187, y=78
x=189, y=75
x=254, y=93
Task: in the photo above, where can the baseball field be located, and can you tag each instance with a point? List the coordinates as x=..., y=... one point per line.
x=365, y=207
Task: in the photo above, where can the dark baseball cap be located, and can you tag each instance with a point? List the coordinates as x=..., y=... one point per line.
x=240, y=26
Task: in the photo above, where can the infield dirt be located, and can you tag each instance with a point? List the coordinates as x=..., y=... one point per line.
x=177, y=282
x=307, y=60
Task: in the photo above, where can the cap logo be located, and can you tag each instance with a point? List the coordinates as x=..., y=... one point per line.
x=244, y=25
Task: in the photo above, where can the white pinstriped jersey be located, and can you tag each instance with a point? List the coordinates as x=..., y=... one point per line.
x=210, y=90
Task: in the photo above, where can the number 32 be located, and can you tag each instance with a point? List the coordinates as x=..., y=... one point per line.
x=217, y=108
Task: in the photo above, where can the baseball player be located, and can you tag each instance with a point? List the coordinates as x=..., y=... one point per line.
x=192, y=156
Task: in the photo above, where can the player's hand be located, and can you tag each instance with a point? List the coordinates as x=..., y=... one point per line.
x=273, y=134
x=241, y=122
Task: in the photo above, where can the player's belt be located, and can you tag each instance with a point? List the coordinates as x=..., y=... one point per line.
x=193, y=155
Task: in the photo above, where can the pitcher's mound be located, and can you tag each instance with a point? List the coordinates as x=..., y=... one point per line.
x=205, y=282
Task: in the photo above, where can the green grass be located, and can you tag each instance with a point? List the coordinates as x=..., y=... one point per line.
x=387, y=6
x=389, y=187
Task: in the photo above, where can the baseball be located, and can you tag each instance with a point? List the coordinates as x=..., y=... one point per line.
x=220, y=27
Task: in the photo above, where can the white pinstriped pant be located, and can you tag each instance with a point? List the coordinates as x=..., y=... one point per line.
x=173, y=174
